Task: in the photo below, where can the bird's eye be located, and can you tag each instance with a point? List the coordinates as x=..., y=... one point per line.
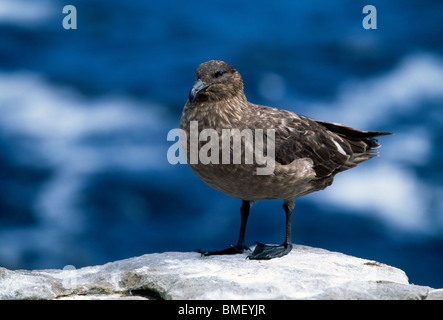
x=218, y=74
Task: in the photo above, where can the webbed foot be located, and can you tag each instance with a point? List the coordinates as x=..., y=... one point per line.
x=266, y=252
x=231, y=250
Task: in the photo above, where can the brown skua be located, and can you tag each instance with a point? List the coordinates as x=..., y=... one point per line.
x=308, y=153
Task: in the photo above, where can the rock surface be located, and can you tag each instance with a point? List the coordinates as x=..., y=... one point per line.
x=306, y=273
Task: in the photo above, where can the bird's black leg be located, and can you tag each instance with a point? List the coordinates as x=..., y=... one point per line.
x=240, y=247
x=266, y=252
x=244, y=211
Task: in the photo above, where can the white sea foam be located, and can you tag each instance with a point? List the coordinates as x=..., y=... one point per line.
x=365, y=103
x=384, y=191
x=63, y=125
x=26, y=13
x=387, y=187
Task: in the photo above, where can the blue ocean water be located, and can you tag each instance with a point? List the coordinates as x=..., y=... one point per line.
x=84, y=116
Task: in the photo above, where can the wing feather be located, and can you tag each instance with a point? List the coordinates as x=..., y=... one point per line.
x=332, y=147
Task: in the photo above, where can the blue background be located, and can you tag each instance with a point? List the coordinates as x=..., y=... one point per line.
x=84, y=116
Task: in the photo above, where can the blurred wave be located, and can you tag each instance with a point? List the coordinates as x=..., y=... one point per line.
x=26, y=13
x=390, y=188
x=63, y=141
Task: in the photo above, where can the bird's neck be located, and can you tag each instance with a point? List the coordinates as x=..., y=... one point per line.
x=224, y=114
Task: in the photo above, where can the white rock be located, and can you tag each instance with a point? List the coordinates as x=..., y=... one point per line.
x=306, y=273
x=435, y=294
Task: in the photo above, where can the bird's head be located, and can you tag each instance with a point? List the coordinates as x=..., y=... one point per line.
x=216, y=81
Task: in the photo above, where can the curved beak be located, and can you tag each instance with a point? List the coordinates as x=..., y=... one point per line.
x=198, y=88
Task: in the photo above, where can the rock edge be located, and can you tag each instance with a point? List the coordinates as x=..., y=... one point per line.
x=305, y=273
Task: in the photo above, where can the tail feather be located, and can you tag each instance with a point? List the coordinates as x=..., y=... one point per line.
x=362, y=143
x=349, y=132
x=355, y=137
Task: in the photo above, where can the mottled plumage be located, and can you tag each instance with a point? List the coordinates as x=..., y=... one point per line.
x=308, y=152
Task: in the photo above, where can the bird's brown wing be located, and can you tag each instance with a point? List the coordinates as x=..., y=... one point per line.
x=332, y=147
x=307, y=139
